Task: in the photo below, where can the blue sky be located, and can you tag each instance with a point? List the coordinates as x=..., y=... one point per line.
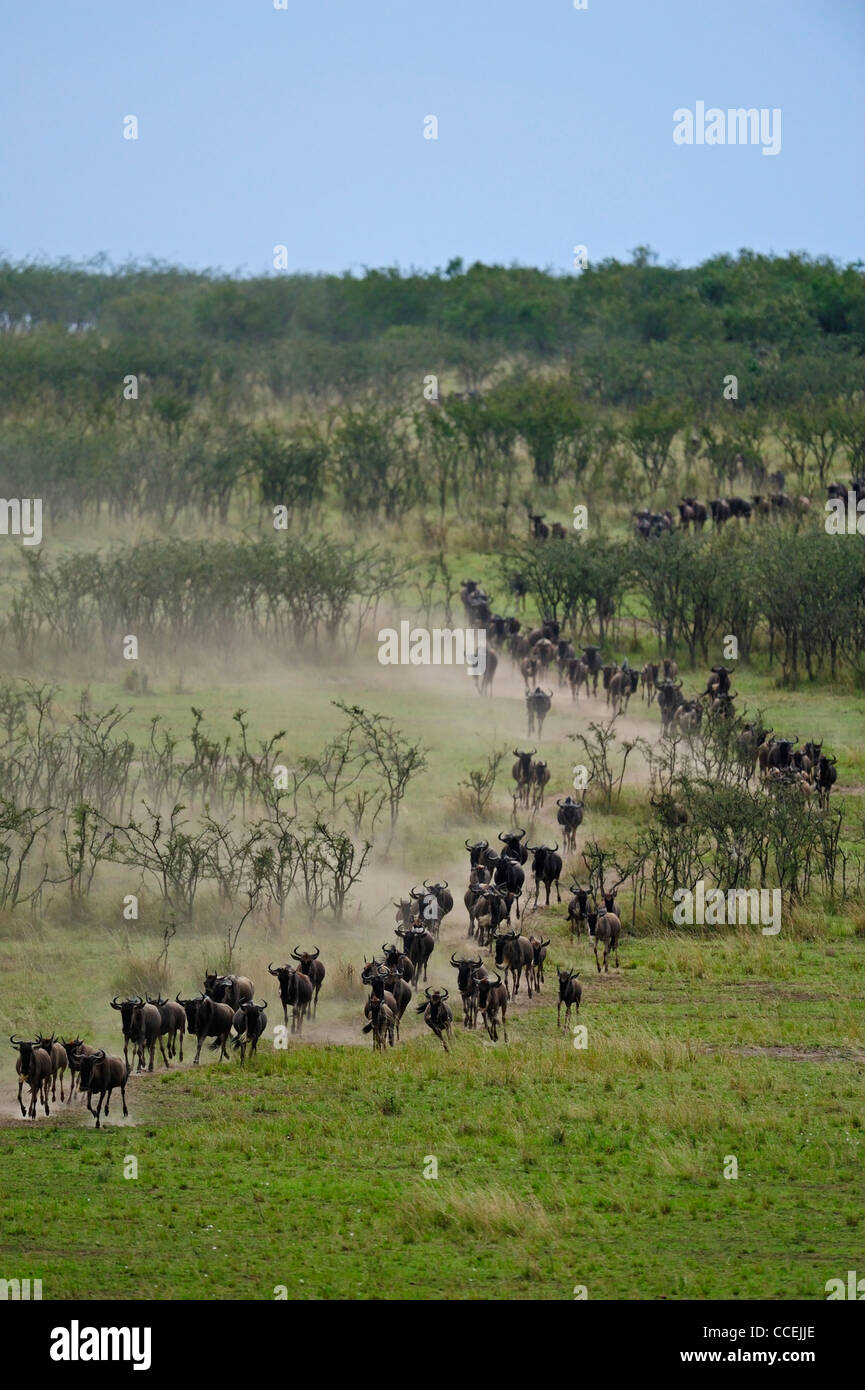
x=304, y=127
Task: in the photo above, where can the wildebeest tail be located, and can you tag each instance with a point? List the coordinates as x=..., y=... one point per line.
x=367, y=1028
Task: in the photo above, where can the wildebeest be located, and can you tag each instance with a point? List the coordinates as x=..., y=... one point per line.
x=310, y=965
x=419, y=946
x=578, y=908
x=467, y=986
x=396, y=959
x=437, y=903
x=648, y=680
x=540, y=532
x=515, y=953
x=477, y=856
x=592, y=658
x=539, y=950
x=145, y=1031
x=538, y=704
x=484, y=680
x=492, y=909
x=381, y=1023
x=522, y=775
x=825, y=776
x=509, y=877
x=492, y=1001
x=75, y=1050
x=547, y=868
x=513, y=845
x=608, y=929
x=689, y=716
x=540, y=777
x=570, y=994
x=208, y=1019
x=59, y=1062
x=578, y=675
x=249, y=1023
x=437, y=1015
x=173, y=1023
x=669, y=699
x=102, y=1075
x=399, y=988
x=570, y=818
x=622, y=686
x=124, y=1008
x=34, y=1067
x=295, y=991
x=233, y=990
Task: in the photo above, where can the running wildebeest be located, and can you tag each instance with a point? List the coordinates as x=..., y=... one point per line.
x=570, y=994
x=310, y=965
x=570, y=818
x=538, y=705
x=295, y=990
x=547, y=868
x=34, y=1067
x=102, y=1075
x=437, y=1015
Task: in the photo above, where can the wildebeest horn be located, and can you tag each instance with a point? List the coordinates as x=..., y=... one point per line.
x=413, y=894
x=114, y=1003
x=295, y=955
x=16, y=1042
x=270, y=969
x=498, y=978
x=554, y=848
x=178, y=999
x=97, y=1056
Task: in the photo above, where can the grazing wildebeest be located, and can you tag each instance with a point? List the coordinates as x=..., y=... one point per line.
x=515, y=953
x=145, y=1031
x=34, y=1067
x=570, y=818
x=467, y=986
x=295, y=990
x=522, y=775
x=538, y=704
x=546, y=867
x=492, y=1001
x=419, y=945
x=539, y=949
x=233, y=990
x=59, y=1062
x=578, y=908
x=540, y=777
x=608, y=929
x=173, y=1017
x=437, y=1015
x=381, y=1022
x=249, y=1023
x=208, y=1019
x=570, y=994
x=102, y=1075
x=310, y=965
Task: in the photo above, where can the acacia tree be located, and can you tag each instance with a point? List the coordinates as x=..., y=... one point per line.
x=649, y=436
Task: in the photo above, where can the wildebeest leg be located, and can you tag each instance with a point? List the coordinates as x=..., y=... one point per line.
x=20, y=1101
x=153, y=1054
x=182, y=1031
x=99, y=1108
x=45, y=1085
x=198, y=1050
x=596, y=955
x=223, y=1051
x=123, y=1097
x=107, y=1101
x=62, y=1073
x=162, y=1050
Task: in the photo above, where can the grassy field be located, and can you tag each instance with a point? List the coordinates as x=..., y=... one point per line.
x=558, y=1166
